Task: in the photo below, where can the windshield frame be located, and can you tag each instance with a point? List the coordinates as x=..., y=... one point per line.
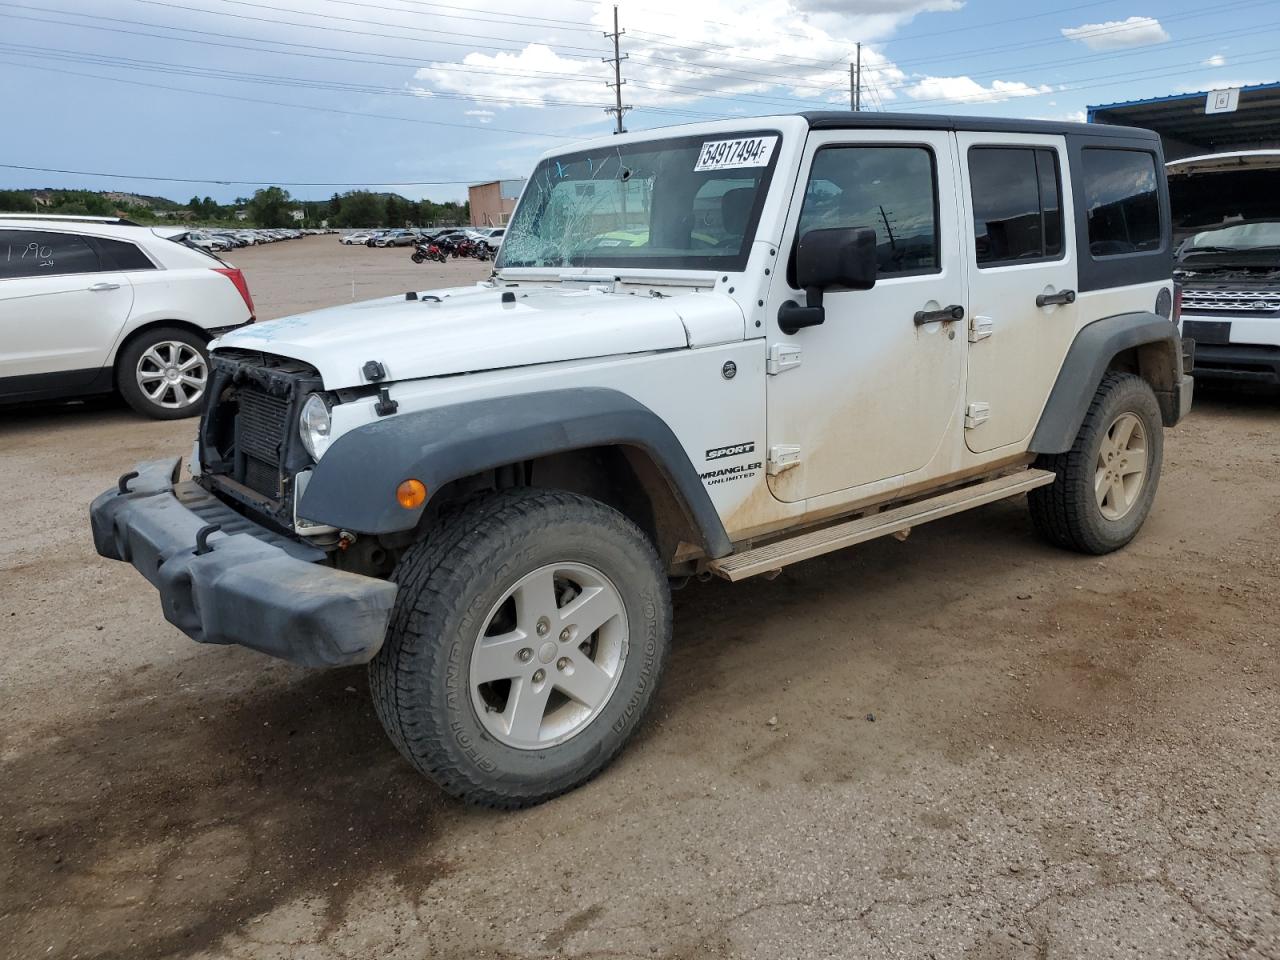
x=682, y=263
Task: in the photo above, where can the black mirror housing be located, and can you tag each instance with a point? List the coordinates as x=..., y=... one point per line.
x=843, y=257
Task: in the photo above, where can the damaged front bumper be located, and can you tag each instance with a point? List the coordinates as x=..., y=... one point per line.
x=225, y=579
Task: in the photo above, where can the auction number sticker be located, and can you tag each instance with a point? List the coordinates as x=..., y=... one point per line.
x=735, y=154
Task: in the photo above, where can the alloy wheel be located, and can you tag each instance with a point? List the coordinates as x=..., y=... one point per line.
x=549, y=656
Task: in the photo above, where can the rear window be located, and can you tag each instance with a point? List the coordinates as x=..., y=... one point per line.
x=1122, y=201
x=43, y=253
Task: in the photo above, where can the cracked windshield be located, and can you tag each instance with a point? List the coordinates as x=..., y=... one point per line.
x=691, y=203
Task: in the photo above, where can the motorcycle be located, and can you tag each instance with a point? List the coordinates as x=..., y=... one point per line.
x=423, y=252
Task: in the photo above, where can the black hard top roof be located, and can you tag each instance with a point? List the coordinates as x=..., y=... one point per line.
x=851, y=120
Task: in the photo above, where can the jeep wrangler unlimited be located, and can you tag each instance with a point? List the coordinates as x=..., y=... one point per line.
x=713, y=350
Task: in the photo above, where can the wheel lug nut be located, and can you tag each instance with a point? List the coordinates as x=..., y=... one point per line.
x=564, y=635
x=544, y=627
x=562, y=663
x=539, y=675
x=526, y=654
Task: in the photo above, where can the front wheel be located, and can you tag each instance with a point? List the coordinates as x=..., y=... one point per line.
x=1107, y=481
x=527, y=640
x=417, y=257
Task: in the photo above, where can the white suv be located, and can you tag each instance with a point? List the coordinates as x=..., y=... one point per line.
x=90, y=306
x=714, y=350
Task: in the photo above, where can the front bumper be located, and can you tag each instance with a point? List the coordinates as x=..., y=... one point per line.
x=249, y=586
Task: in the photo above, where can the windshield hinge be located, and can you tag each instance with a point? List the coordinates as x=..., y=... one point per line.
x=605, y=282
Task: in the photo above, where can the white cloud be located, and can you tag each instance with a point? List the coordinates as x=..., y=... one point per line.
x=1217, y=60
x=968, y=90
x=484, y=116
x=1118, y=34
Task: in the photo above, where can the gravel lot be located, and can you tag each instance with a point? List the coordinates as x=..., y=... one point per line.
x=983, y=748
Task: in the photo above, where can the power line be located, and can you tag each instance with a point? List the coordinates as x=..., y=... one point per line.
x=305, y=106
x=209, y=73
x=248, y=183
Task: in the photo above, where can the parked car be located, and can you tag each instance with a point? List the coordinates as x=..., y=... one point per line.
x=395, y=238
x=1226, y=221
x=839, y=326
x=95, y=305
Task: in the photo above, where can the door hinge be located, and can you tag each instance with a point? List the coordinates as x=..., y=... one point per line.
x=976, y=414
x=980, y=328
x=782, y=356
x=782, y=456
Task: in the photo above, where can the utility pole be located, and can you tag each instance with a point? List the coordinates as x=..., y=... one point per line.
x=618, y=56
x=855, y=82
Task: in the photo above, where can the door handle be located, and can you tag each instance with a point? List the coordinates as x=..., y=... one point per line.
x=1062, y=297
x=100, y=287
x=946, y=315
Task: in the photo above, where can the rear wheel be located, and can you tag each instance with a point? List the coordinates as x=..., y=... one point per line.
x=417, y=257
x=1107, y=481
x=163, y=373
x=528, y=637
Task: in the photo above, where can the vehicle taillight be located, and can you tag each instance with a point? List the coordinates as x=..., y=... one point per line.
x=235, y=275
x=1177, y=303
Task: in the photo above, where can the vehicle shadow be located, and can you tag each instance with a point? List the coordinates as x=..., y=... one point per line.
x=169, y=820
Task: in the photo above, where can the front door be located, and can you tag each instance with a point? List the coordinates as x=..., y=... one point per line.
x=871, y=394
x=1022, y=280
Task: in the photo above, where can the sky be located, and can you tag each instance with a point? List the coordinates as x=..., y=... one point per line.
x=423, y=97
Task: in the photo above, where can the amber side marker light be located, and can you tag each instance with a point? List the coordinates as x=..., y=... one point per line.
x=411, y=494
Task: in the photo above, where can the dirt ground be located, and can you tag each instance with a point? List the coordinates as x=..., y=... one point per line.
x=983, y=748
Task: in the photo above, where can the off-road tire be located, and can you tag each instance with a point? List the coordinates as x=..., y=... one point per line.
x=449, y=582
x=1067, y=512
x=417, y=257
x=127, y=366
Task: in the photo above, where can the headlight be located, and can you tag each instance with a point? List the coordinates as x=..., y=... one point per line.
x=314, y=426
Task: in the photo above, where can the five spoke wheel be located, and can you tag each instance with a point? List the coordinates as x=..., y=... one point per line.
x=1122, y=466
x=549, y=656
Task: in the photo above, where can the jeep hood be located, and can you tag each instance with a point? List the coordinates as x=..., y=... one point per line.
x=470, y=329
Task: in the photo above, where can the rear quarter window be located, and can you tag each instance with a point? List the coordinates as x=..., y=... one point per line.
x=122, y=255
x=1122, y=203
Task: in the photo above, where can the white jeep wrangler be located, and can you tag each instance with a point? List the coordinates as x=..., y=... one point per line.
x=717, y=349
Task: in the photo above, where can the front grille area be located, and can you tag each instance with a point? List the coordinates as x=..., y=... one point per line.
x=260, y=432
x=250, y=448
x=1231, y=301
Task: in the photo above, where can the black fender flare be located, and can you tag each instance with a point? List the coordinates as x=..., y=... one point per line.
x=354, y=484
x=1086, y=362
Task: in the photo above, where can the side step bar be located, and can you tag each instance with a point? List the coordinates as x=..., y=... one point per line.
x=774, y=556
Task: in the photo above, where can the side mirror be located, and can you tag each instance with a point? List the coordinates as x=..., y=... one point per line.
x=843, y=257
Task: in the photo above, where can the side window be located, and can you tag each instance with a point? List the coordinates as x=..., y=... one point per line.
x=39, y=253
x=121, y=255
x=893, y=189
x=1017, y=204
x=1121, y=200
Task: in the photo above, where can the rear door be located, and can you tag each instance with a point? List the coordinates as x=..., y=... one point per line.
x=1022, y=280
x=61, y=309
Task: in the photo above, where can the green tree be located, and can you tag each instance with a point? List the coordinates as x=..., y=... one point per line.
x=362, y=209
x=270, y=207
x=335, y=208
x=395, y=211
x=16, y=201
